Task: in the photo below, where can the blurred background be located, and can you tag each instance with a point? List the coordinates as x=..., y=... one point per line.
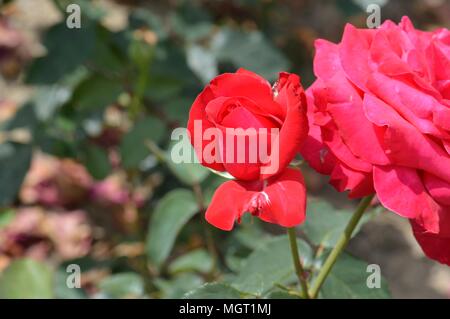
x=85, y=122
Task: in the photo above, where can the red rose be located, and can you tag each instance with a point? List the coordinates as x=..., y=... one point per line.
x=380, y=110
x=280, y=200
x=274, y=118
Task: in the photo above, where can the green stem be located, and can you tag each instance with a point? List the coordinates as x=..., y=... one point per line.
x=143, y=57
x=297, y=262
x=341, y=244
x=58, y=6
x=136, y=101
x=155, y=150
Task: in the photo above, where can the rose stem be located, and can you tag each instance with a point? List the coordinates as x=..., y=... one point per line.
x=297, y=262
x=341, y=244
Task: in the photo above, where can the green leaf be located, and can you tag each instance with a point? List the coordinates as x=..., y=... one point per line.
x=211, y=183
x=96, y=92
x=66, y=50
x=124, y=285
x=183, y=163
x=270, y=264
x=281, y=294
x=161, y=87
x=6, y=216
x=25, y=117
x=350, y=8
x=245, y=239
x=132, y=147
x=96, y=161
x=169, y=73
x=171, y=214
x=15, y=161
x=177, y=109
x=26, y=279
x=250, y=233
x=62, y=291
x=241, y=48
x=178, y=286
x=105, y=57
x=325, y=223
x=196, y=260
x=202, y=62
x=348, y=279
x=192, y=23
x=48, y=99
x=213, y=290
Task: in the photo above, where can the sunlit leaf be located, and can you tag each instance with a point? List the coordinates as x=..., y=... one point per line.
x=202, y=62
x=48, y=99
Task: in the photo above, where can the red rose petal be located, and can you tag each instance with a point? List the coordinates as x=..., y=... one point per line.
x=282, y=201
x=287, y=199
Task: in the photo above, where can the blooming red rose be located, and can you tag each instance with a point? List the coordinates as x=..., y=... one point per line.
x=242, y=106
x=380, y=115
x=280, y=200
